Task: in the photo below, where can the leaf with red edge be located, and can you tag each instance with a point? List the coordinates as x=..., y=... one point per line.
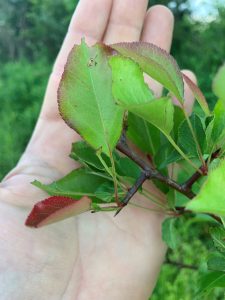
x=56, y=208
x=198, y=94
x=85, y=97
x=155, y=62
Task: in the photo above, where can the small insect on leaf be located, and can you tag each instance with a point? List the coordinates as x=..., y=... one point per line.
x=92, y=61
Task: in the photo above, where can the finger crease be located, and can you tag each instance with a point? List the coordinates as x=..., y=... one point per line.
x=126, y=25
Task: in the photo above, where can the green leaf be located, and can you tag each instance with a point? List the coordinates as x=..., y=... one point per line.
x=180, y=199
x=96, y=208
x=218, y=236
x=218, y=130
x=156, y=62
x=126, y=167
x=169, y=233
x=216, y=262
x=143, y=134
x=198, y=94
x=210, y=281
x=178, y=118
x=166, y=155
x=137, y=98
x=85, y=154
x=209, y=144
x=158, y=112
x=211, y=198
x=85, y=97
x=171, y=198
x=75, y=185
x=129, y=88
x=128, y=82
x=185, y=137
x=219, y=83
x=105, y=192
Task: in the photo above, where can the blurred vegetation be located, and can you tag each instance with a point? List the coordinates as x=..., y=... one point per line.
x=31, y=32
x=184, y=266
x=22, y=86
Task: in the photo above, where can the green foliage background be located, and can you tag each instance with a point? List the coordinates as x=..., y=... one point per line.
x=31, y=33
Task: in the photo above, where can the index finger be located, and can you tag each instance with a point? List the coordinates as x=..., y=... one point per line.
x=89, y=20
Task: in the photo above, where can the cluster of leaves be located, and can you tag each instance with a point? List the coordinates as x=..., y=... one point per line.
x=185, y=267
x=215, y=263
x=24, y=35
x=103, y=96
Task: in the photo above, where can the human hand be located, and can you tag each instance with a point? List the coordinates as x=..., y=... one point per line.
x=91, y=256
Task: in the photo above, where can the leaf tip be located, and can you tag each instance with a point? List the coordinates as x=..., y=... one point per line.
x=56, y=208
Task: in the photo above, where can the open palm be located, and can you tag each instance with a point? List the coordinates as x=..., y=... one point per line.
x=92, y=256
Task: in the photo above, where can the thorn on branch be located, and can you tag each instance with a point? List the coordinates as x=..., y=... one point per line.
x=133, y=190
x=148, y=172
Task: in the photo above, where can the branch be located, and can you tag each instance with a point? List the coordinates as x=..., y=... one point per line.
x=150, y=172
x=180, y=264
x=133, y=190
x=189, y=183
x=181, y=210
x=124, y=148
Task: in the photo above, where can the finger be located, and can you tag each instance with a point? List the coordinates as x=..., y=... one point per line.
x=188, y=94
x=126, y=21
x=158, y=29
x=89, y=20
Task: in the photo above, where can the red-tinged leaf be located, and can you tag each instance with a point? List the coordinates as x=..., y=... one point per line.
x=155, y=62
x=197, y=93
x=85, y=97
x=56, y=208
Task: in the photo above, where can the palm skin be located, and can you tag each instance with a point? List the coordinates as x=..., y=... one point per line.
x=92, y=256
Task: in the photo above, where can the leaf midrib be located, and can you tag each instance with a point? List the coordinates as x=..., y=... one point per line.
x=100, y=113
x=149, y=137
x=214, y=281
